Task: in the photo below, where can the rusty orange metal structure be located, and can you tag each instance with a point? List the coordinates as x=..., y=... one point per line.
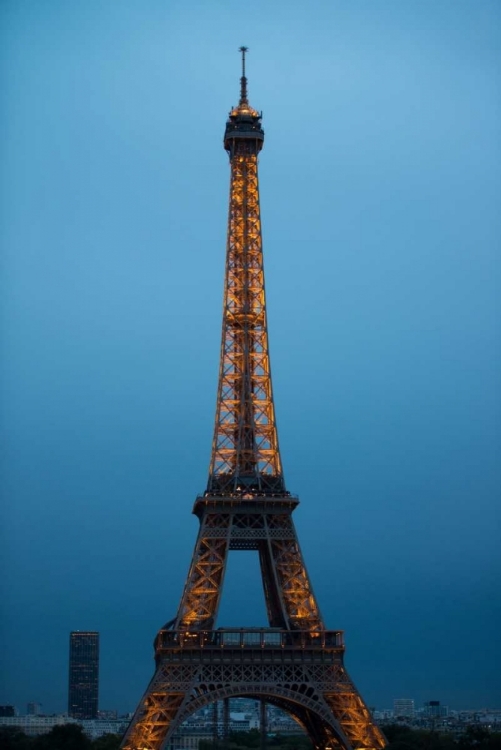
x=245, y=453
x=295, y=663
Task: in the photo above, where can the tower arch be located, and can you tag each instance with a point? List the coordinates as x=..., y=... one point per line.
x=301, y=702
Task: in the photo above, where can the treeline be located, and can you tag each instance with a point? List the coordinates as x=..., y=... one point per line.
x=62, y=737
x=399, y=738
x=475, y=737
x=252, y=741
x=71, y=737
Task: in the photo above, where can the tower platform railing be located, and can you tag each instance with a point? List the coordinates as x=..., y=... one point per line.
x=259, y=638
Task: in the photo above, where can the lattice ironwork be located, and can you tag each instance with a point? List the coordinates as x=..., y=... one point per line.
x=245, y=452
x=263, y=524
x=296, y=663
x=302, y=672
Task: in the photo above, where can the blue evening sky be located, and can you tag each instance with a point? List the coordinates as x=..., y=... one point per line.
x=380, y=192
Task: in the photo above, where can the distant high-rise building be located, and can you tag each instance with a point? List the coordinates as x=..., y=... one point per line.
x=34, y=709
x=84, y=675
x=7, y=711
x=403, y=707
x=111, y=715
x=433, y=710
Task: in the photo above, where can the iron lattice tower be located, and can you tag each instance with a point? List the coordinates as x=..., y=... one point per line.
x=296, y=663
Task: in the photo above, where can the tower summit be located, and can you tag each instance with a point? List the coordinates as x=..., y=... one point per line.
x=295, y=663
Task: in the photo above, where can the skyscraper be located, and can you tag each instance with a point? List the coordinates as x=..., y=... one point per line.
x=83, y=686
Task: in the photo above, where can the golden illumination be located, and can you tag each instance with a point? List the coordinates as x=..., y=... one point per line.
x=244, y=109
x=245, y=436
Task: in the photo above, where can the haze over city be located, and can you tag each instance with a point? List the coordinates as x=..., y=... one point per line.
x=380, y=180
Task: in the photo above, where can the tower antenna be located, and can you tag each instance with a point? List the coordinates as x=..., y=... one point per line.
x=243, y=80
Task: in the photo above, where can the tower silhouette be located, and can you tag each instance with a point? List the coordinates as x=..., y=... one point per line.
x=295, y=663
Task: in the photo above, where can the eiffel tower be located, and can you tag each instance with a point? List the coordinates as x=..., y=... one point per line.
x=295, y=663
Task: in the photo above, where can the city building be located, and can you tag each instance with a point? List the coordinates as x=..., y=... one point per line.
x=7, y=711
x=34, y=709
x=403, y=708
x=83, y=688
x=433, y=710
x=111, y=715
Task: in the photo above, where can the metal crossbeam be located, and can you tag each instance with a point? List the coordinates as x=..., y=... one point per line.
x=301, y=672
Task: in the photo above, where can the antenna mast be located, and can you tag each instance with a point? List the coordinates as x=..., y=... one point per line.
x=243, y=80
